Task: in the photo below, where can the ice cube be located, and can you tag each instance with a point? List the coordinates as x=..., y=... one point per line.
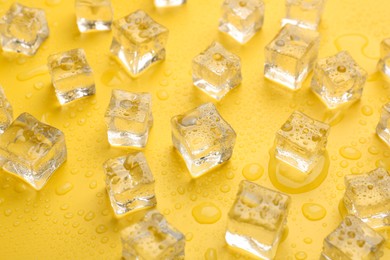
x=32, y=150
x=383, y=127
x=241, y=19
x=338, y=80
x=152, y=238
x=353, y=239
x=367, y=196
x=203, y=138
x=384, y=61
x=168, y=3
x=290, y=56
x=138, y=42
x=130, y=183
x=257, y=219
x=71, y=75
x=301, y=141
x=6, y=113
x=94, y=15
x=23, y=29
x=304, y=13
x=129, y=118
x=216, y=71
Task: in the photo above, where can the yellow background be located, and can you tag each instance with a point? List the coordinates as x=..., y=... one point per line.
x=71, y=216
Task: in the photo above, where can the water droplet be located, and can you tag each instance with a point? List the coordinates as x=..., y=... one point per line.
x=89, y=216
x=367, y=110
x=373, y=150
x=101, y=229
x=350, y=152
x=252, y=171
x=63, y=189
x=93, y=185
x=7, y=212
x=308, y=240
x=38, y=85
x=224, y=188
x=162, y=95
x=300, y=255
x=20, y=187
x=68, y=215
x=26, y=75
x=210, y=254
x=189, y=236
x=206, y=213
x=313, y=211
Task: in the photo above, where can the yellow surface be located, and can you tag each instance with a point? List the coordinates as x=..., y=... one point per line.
x=72, y=218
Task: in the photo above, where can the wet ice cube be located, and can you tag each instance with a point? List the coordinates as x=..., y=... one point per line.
x=290, y=56
x=138, y=42
x=168, y=3
x=129, y=183
x=216, y=71
x=203, y=138
x=23, y=29
x=301, y=141
x=93, y=15
x=384, y=61
x=257, y=219
x=353, y=239
x=6, y=113
x=129, y=118
x=152, y=238
x=383, y=127
x=367, y=196
x=241, y=19
x=71, y=75
x=32, y=150
x=304, y=13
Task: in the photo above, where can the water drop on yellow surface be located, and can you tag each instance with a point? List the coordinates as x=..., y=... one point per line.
x=162, y=95
x=252, y=171
x=224, y=188
x=89, y=216
x=52, y=2
x=313, y=211
x=63, y=189
x=8, y=212
x=300, y=255
x=101, y=229
x=189, y=236
x=307, y=240
x=206, y=213
x=373, y=150
x=210, y=254
x=20, y=187
x=367, y=110
x=93, y=185
x=39, y=85
x=350, y=152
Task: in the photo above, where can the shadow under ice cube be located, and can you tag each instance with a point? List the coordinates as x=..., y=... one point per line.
x=93, y=15
x=32, y=150
x=304, y=13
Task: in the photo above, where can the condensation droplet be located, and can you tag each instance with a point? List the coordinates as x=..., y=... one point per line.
x=101, y=229
x=313, y=211
x=367, y=110
x=206, y=213
x=252, y=171
x=350, y=152
x=89, y=216
x=162, y=95
x=210, y=254
x=300, y=255
x=63, y=189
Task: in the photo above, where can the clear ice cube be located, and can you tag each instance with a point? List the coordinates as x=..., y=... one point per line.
x=301, y=141
x=304, y=13
x=129, y=118
x=257, y=219
x=338, y=80
x=383, y=127
x=6, y=112
x=93, y=15
x=216, y=71
x=71, y=75
x=203, y=138
x=384, y=61
x=367, y=196
x=32, y=150
x=353, y=239
x=241, y=19
x=152, y=238
x=290, y=56
x=129, y=183
x=168, y=3
x=138, y=42
x=23, y=29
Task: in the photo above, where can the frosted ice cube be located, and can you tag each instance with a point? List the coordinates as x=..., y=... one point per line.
x=338, y=80
x=301, y=141
x=152, y=238
x=94, y=15
x=6, y=113
x=71, y=75
x=138, y=42
x=32, y=150
x=168, y=3
x=216, y=71
x=367, y=196
x=23, y=29
x=130, y=183
x=241, y=19
x=383, y=127
x=257, y=219
x=384, y=61
x=290, y=56
x=203, y=138
x=304, y=13
x=129, y=118
x=353, y=239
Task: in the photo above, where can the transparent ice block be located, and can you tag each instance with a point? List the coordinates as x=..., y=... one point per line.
x=93, y=15
x=129, y=118
x=367, y=196
x=384, y=61
x=32, y=150
x=203, y=138
x=257, y=219
x=168, y=3
x=241, y=19
x=353, y=239
x=138, y=42
x=216, y=71
x=6, y=112
x=301, y=141
x=152, y=238
x=290, y=56
x=23, y=29
x=304, y=13
x=71, y=75
x=129, y=183
x=383, y=127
